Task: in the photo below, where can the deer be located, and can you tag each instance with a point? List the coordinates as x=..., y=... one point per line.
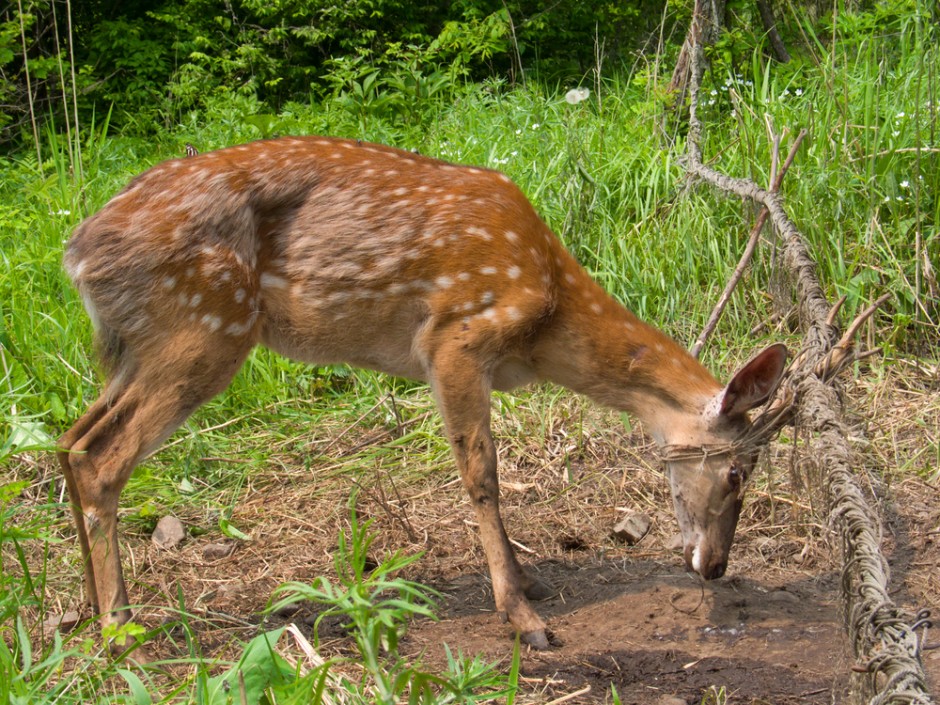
x=330, y=250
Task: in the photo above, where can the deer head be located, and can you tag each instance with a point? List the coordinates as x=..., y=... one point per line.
x=708, y=463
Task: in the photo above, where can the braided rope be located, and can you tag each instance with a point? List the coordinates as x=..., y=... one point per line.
x=884, y=638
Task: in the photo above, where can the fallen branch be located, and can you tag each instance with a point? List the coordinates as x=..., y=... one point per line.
x=883, y=636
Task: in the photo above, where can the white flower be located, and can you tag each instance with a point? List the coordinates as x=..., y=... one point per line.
x=519, y=131
x=895, y=133
x=714, y=92
x=711, y=102
x=576, y=95
x=535, y=125
x=905, y=184
x=900, y=114
x=899, y=198
x=61, y=211
x=799, y=91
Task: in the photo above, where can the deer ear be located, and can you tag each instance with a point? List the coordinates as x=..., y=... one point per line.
x=755, y=382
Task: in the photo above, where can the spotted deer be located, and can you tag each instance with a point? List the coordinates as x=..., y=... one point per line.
x=329, y=250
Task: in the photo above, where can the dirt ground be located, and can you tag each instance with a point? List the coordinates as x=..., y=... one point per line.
x=627, y=616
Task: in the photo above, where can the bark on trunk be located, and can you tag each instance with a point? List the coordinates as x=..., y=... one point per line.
x=770, y=26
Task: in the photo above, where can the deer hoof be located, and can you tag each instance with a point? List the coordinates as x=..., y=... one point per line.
x=537, y=590
x=537, y=639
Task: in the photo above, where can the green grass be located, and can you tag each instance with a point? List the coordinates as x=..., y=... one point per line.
x=864, y=190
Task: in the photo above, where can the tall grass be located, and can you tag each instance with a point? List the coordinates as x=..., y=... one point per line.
x=604, y=174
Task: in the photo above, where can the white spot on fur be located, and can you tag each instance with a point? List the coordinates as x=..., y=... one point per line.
x=444, y=282
x=239, y=295
x=570, y=278
x=479, y=232
x=512, y=236
x=168, y=282
x=487, y=298
x=487, y=270
x=272, y=281
x=464, y=276
x=514, y=272
x=513, y=313
x=238, y=328
x=196, y=300
x=596, y=308
x=213, y=322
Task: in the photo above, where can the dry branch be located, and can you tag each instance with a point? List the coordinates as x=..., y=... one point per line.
x=748, y=250
x=883, y=636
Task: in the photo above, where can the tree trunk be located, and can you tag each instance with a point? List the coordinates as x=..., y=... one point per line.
x=770, y=26
x=708, y=17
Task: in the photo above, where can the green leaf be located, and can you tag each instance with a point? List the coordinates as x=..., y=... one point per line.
x=259, y=668
x=231, y=531
x=139, y=693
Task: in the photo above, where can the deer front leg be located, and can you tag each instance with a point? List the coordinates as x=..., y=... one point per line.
x=463, y=395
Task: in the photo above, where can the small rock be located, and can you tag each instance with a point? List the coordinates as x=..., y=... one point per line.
x=169, y=533
x=218, y=551
x=63, y=622
x=632, y=528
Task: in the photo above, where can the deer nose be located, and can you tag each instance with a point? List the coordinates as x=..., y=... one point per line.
x=715, y=571
x=705, y=565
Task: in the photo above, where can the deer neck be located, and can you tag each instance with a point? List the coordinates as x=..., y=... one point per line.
x=597, y=347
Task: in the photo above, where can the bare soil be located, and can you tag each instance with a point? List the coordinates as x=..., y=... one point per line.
x=624, y=616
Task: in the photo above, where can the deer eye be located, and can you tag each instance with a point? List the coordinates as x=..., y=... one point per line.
x=735, y=476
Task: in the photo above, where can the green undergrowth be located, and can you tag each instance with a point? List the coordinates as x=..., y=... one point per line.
x=372, y=602
x=605, y=173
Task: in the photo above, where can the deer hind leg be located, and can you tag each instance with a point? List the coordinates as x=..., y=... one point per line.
x=88, y=419
x=462, y=391
x=128, y=422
